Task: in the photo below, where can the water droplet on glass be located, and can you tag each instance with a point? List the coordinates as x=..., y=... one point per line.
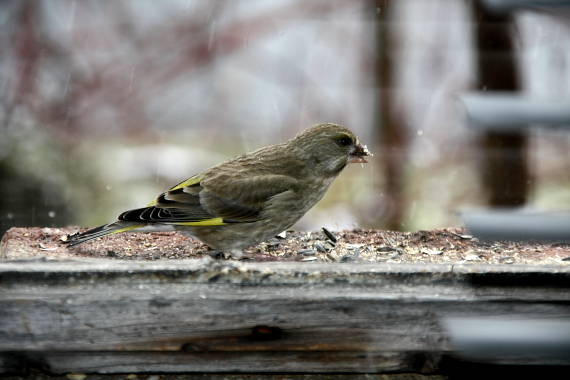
x=108, y=187
x=420, y=132
x=51, y=214
x=10, y=215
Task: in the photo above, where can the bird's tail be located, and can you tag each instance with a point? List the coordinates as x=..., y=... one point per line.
x=106, y=229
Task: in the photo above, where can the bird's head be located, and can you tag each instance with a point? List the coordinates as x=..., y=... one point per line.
x=330, y=147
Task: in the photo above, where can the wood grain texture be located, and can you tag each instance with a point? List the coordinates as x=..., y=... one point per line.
x=204, y=362
x=211, y=316
x=230, y=376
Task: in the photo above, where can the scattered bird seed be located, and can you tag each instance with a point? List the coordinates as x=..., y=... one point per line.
x=307, y=252
x=272, y=245
x=432, y=252
x=330, y=235
x=309, y=258
x=43, y=247
x=347, y=259
x=282, y=235
x=319, y=247
x=398, y=252
x=566, y=258
x=507, y=260
x=386, y=248
x=463, y=236
x=472, y=257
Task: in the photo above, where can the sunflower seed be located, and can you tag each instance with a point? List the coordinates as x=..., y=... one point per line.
x=43, y=247
x=310, y=258
x=320, y=247
x=432, y=252
x=462, y=236
x=307, y=252
x=330, y=235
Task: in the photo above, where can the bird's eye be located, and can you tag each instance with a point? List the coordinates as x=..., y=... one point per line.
x=344, y=141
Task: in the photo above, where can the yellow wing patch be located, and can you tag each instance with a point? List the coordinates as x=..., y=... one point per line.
x=189, y=182
x=205, y=222
x=130, y=228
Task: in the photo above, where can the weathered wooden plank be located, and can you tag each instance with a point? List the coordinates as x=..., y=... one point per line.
x=206, y=315
x=213, y=306
x=228, y=376
x=430, y=280
x=313, y=325
x=232, y=362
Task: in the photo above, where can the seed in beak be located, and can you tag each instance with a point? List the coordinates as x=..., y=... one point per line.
x=360, y=151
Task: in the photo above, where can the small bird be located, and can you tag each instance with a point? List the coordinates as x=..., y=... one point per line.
x=250, y=198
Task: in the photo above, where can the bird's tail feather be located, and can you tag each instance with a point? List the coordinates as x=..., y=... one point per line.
x=97, y=232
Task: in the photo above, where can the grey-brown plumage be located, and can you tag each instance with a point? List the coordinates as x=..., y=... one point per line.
x=249, y=198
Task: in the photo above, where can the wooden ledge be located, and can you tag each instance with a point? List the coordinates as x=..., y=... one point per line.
x=216, y=316
x=43, y=271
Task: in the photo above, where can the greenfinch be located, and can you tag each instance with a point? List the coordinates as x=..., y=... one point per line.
x=250, y=198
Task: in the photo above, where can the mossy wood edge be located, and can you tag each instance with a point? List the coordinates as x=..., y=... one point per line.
x=109, y=316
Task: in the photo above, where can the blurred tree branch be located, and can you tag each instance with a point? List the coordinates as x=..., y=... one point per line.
x=391, y=131
x=504, y=169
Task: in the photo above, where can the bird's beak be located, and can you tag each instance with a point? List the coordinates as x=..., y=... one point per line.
x=359, y=154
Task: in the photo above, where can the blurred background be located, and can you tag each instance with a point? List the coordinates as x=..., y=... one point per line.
x=104, y=104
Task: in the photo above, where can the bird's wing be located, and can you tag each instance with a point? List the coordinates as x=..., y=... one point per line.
x=217, y=200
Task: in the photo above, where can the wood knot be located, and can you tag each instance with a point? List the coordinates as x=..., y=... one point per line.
x=262, y=332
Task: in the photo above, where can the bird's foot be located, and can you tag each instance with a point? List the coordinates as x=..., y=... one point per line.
x=216, y=254
x=235, y=254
